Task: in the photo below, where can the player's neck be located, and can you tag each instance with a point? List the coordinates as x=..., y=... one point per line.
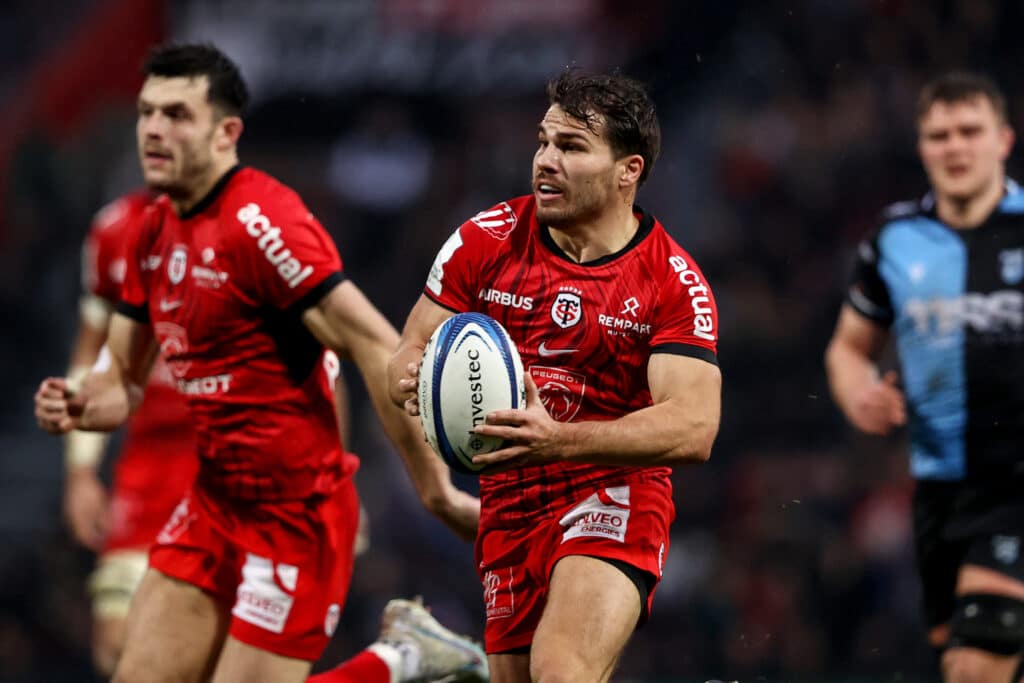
x=966, y=214
x=606, y=234
x=184, y=203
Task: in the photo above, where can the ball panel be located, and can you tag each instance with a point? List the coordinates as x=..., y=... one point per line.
x=470, y=368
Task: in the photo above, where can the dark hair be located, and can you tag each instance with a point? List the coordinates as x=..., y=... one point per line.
x=621, y=103
x=227, y=88
x=961, y=86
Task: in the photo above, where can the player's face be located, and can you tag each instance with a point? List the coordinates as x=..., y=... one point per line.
x=574, y=170
x=963, y=146
x=175, y=133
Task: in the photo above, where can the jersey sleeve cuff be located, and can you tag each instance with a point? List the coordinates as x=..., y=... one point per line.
x=139, y=314
x=318, y=292
x=691, y=350
x=868, y=308
x=430, y=295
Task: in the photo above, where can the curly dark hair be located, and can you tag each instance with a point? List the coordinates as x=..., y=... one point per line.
x=620, y=103
x=228, y=91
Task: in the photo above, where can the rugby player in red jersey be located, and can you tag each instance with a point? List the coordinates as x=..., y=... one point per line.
x=239, y=287
x=156, y=462
x=617, y=329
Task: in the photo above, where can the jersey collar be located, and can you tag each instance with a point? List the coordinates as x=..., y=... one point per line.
x=211, y=196
x=642, y=231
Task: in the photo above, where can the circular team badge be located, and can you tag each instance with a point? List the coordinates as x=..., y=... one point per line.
x=177, y=264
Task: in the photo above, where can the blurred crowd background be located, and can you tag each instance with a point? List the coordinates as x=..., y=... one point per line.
x=787, y=127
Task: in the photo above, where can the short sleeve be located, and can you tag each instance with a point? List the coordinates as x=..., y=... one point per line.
x=292, y=258
x=138, y=263
x=687, y=320
x=103, y=249
x=451, y=282
x=868, y=293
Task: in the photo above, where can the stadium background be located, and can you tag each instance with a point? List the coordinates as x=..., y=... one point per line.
x=787, y=127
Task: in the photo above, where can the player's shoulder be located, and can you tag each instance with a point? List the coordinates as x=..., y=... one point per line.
x=905, y=210
x=1012, y=203
x=895, y=219
x=663, y=251
x=248, y=184
x=501, y=221
x=254, y=195
x=125, y=210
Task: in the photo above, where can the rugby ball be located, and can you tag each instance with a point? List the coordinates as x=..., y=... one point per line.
x=470, y=368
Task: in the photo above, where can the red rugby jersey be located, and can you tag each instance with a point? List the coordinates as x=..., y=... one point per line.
x=161, y=422
x=224, y=286
x=156, y=461
x=585, y=332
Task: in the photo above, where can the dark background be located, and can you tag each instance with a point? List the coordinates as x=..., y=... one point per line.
x=787, y=127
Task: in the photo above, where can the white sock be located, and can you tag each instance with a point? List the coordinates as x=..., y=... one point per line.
x=402, y=659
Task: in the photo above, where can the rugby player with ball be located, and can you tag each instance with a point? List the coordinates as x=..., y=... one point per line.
x=616, y=328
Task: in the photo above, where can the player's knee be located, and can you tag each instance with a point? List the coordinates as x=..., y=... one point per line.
x=566, y=668
x=962, y=665
x=988, y=622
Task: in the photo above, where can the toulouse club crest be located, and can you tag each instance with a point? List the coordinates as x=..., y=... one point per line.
x=177, y=264
x=567, y=309
x=1011, y=265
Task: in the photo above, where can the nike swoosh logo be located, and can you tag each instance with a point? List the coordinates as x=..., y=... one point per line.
x=548, y=353
x=166, y=305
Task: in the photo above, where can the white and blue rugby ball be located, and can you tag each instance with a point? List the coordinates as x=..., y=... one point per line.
x=470, y=368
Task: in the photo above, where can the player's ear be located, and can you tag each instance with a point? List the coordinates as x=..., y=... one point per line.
x=630, y=169
x=229, y=130
x=1006, y=137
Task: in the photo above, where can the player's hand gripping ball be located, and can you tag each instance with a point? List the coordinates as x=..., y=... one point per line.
x=470, y=368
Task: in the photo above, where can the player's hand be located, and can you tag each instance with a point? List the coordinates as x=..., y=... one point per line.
x=530, y=433
x=58, y=410
x=86, y=507
x=408, y=387
x=880, y=406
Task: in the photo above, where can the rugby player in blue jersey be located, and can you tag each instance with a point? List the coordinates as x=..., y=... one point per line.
x=944, y=278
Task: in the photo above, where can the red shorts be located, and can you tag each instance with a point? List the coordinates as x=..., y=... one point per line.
x=148, y=484
x=629, y=522
x=284, y=568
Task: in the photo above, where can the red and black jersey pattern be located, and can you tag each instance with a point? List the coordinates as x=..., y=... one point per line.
x=157, y=460
x=224, y=286
x=585, y=331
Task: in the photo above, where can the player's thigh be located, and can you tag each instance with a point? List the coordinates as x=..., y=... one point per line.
x=174, y=633
x=509, y=668
x=974, y=578
x=592, y=609
x=242, y=662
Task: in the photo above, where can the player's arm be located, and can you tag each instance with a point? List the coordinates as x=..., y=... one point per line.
x=111, y=390
x=404, y=368
x=85, y=498
x=84, y=450
x=345, y=321
x=677, y=429
x=873, y=404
